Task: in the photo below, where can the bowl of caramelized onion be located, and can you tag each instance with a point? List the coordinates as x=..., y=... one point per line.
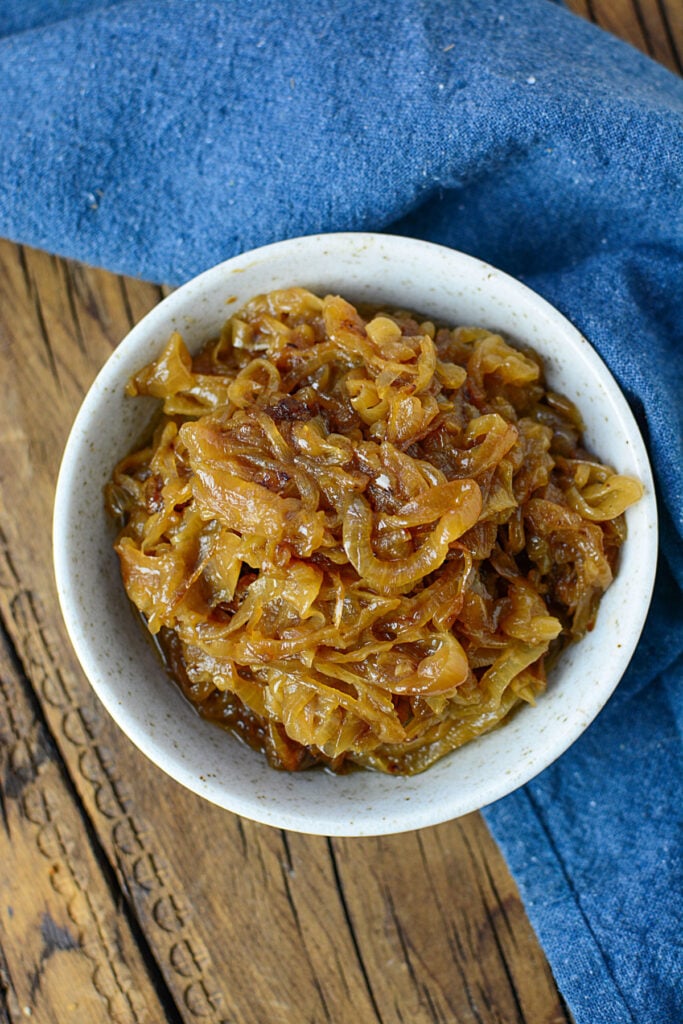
x=354, y=534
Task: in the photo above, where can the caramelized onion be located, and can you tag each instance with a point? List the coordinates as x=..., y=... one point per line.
x=396, y=574
x=356, y=537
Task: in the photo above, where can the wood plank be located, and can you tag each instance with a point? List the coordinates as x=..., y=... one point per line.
x=68, y=952
x=672, y=15
x=657, y=30
x=624, y=19
x=653, y=26
x=246, y=924
x=416, y=904
x=59, y=322
x=581, y=7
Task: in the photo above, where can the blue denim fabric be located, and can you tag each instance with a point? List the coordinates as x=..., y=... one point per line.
x=159, y=138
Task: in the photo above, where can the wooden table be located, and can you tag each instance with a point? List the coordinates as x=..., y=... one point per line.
x=126, y=898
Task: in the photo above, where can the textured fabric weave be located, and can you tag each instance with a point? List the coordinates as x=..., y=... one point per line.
x=159, y=138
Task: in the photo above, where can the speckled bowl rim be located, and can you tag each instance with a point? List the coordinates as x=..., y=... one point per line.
x=119, y=661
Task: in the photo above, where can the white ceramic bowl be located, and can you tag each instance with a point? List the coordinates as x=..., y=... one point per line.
x=121, y=664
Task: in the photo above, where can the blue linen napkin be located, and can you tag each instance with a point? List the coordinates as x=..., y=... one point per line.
x=157, y=139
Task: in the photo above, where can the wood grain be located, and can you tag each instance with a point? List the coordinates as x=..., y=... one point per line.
x=232, y=921
x=79, y=956
x=653, y=26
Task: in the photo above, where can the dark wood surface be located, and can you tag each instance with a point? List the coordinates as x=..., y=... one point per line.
x=126, y=898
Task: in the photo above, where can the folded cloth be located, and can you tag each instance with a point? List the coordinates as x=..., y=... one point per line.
x=157, y=139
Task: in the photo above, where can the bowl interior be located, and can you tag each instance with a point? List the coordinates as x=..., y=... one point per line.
x=118, y=658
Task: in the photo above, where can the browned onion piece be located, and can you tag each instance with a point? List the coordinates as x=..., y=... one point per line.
x=357, y=537
x=393, y=575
